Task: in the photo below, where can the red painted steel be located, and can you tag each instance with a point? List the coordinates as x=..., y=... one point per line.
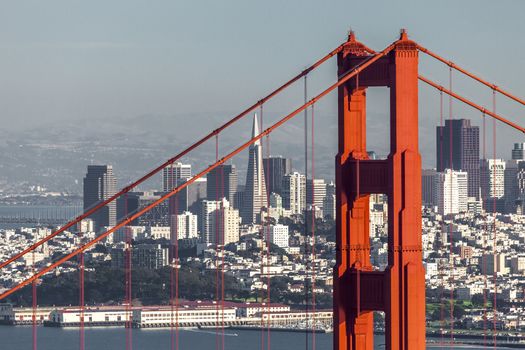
x=399, y=291
x=81, y=301
x=312, y=155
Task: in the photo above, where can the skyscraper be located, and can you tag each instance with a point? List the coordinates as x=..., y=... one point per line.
x=493, y=184
x=222, y=183
x=172, y=173
x=99, y=184
x=457, y=148
x=451, y=192
x=428, y=184
x=315, y=192
x=512, y=167
x=275, y=167
x=329, y=204
x=294, y=192
x=255, y=196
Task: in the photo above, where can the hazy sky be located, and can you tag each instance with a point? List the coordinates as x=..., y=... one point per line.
x=72, y=59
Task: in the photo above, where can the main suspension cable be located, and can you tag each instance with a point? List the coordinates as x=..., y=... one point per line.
x=350, y=74
x=472, y=104
x=170, y=161
x=451, y=64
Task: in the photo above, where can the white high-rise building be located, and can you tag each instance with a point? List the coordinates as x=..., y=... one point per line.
x=219, y=222
x=173, y=173
x=315, y=192
x=451, y=192
x=184, y=226
x=277, y=234
x=492, y=173
x=229, y=226
x=294, y=192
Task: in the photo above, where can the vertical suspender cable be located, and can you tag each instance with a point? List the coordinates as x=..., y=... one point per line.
x=485, y=229
x=305, y=257
x=175, y=268
x=223, y=243
x=494, y=273
x=442, y=246
x=451, y=257
x=266, y=230
x=312, y=166
x=264, y=306
x=128, y=238
x=217, y=211
x=35, y=305
x=174, y=221
x=81, y=292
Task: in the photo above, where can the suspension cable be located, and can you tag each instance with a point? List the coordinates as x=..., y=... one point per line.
x=170, y=161
x=349, y=75
x=175, y=268
x=485, y=231
x=305, y=256
x=128, y=244
x=313, y=258
x=266, y=227
x=450, y=224
x=223, y=243
x=219, y=210
x=81, y=300
x=34, y=303
x=451, y=64
x=472, y=104
x=441, y=167
x=263, y=255
x=494, y=238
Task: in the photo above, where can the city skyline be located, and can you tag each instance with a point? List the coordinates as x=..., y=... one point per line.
x=335, y=186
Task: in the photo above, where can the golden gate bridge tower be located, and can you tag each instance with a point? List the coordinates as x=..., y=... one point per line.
x=399, y=290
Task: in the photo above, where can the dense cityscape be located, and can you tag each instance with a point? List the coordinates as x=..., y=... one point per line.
x=272, y=236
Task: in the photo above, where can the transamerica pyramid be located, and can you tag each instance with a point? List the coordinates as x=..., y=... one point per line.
x=255, y=196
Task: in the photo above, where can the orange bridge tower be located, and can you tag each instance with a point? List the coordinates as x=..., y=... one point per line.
x=359, y=290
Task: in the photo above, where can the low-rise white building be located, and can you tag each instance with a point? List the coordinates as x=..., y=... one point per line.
x=22, y=316
x=186, y=314
x=93, y=316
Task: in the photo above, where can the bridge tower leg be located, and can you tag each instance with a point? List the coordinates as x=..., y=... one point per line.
x=359, y=290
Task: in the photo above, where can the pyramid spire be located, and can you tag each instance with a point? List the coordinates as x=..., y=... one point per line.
x=255, y=196
x=255, y=129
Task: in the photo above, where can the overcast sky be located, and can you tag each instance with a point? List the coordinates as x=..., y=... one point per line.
x=72, y=59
